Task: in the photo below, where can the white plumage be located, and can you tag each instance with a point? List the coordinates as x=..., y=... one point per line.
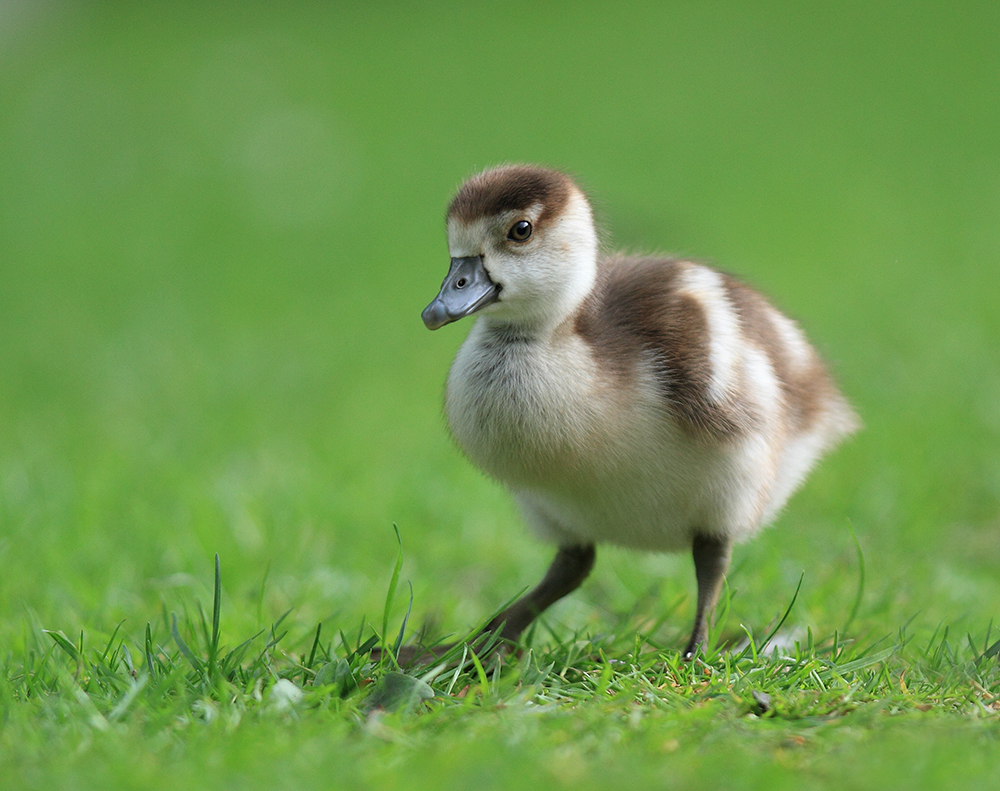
x=650, y=403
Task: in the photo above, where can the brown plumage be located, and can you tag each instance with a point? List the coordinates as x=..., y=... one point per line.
x=635, y=308
x=495, y=192
x=647, y=402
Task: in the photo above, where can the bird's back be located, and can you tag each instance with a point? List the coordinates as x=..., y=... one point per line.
x=675, y=400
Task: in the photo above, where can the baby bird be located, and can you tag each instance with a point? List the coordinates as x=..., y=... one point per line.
x=647, y=402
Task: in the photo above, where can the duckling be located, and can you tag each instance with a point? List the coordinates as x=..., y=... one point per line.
x=652, y=403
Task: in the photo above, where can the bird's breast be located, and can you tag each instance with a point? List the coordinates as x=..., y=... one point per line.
x=526, y=411
x=598, y=454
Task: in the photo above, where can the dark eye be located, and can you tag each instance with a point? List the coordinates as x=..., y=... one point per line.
x=520, y=231
x=461, y=283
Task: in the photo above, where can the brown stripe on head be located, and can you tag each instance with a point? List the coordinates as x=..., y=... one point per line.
x=511, y=188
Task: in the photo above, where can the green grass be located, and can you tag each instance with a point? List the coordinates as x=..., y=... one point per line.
x=217, y=230
x=581, y=710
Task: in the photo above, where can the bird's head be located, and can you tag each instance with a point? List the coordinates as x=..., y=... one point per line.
x=523, y=249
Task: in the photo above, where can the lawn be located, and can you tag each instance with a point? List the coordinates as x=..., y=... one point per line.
x=218, y=227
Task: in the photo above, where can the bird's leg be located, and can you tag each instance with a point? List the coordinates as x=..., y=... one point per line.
x=570, y=567
x=711, y=559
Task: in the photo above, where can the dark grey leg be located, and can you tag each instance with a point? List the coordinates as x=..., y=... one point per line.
x=711, y=559
x=571, y=566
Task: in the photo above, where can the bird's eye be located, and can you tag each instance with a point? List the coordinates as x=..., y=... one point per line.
x=520, y=231
x=461, y=283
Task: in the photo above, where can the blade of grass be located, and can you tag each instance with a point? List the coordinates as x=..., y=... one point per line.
x=402, y=628
x=861, y=580
x=104, y=656
x=718, y=622
x=274, y=639
x=260, y=596
x=213, y=651
x=458, y=670
x=188, y=654
x=992, y=651
x=148, y=651
x=230, y=661
x=361, y=634
x=64, y=643
x=127, y=656
x=391, y=594
x=206, y=631
x=484, y=682
x=791, y=604
x=365, y=648
x=315, y=646
x=604, y=679
x=863, y=662
x=126, y=701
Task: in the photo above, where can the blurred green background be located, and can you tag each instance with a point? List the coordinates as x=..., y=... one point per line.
x=219, y=223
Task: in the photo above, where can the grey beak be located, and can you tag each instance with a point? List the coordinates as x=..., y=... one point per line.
x=466, y=289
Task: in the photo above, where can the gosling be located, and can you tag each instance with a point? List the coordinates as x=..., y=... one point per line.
x=647, y=402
